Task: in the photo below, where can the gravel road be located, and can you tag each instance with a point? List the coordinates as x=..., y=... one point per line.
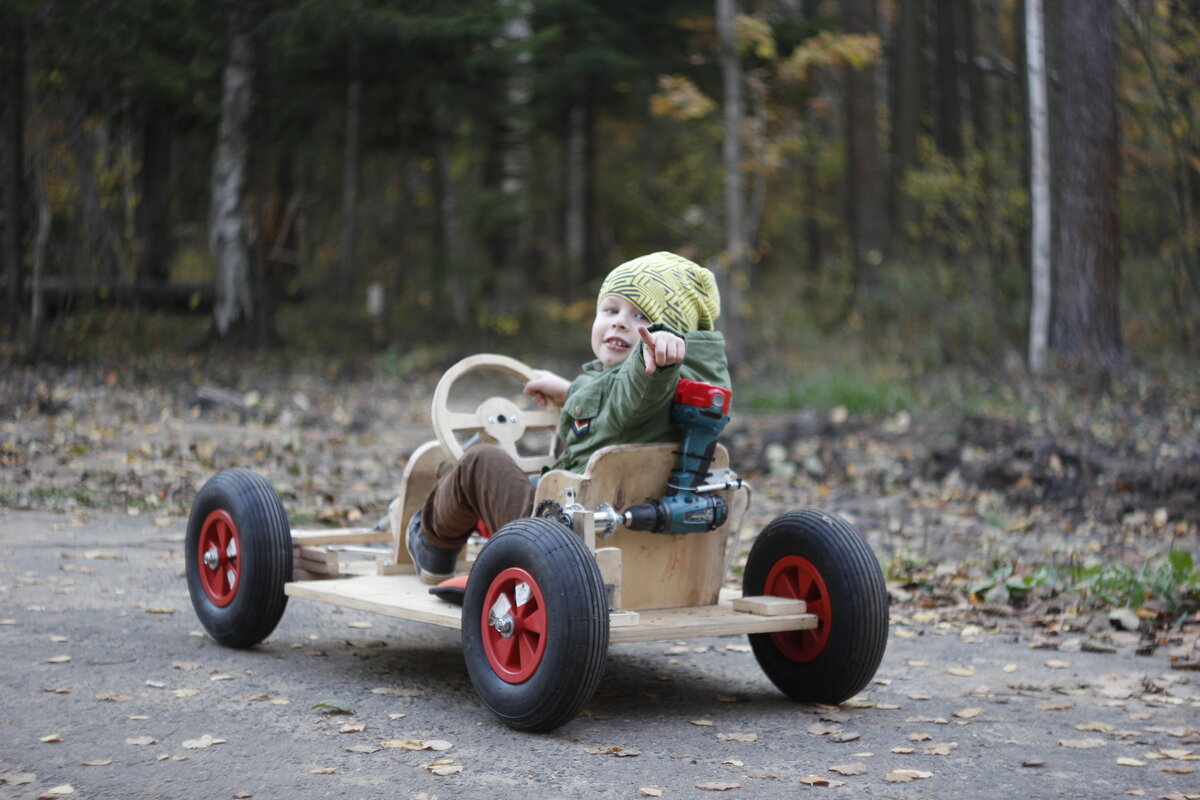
x=111, y=690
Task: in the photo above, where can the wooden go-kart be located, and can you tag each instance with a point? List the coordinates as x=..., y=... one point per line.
x=547, y=594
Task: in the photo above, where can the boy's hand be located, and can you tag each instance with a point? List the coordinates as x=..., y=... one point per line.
x=660, y=349
x=546, y=386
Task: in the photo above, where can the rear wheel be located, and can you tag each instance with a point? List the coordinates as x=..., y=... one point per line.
x=239, y=555
x=535, y=625
x=821, y=559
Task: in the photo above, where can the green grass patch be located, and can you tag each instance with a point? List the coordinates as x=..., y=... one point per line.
x=858, y=388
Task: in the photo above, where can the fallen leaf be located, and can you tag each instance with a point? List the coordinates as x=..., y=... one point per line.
x=242, y=795
x=903, y=750
x=361, y=748
x=220, y=677
x=718, y=786
x=919, y=737
x=1126, y=761
x=334, y=708
x=848, y=736
x=201, y=743
x=856, y=768
x=733, y=762
x=396, y=691
x=968, y=713
x=61, y=790
x=648, y=792
x=182, y=693
x=352, y=727
x=702, y=722
x=185, y=665
x=1177, y=753
x=961, y=672
x=1033, y=762
x=141, y=741
x=940, y=748
x=97, y=762
x=821, y=780
x=738, y=737
x=823, y=729
x=362, y=625
x=443, y=767
x=906, y=775
x=915, y=696
x=1010, y=667
x=114, y=697
x=1082, y=744
x=53, y=738
x=160, y=610
x=1098, y=727
x=323, y=771
x=58, y=660
x=1056, y=663
x=17, y=778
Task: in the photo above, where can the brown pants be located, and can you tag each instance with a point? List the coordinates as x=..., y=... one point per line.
x=485, y=484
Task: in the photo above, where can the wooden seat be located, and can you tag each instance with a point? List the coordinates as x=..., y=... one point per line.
x=658, y=571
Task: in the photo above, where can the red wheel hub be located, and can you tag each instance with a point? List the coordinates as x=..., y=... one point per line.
x=219, y=554
x=514, y=625
x=797, y=578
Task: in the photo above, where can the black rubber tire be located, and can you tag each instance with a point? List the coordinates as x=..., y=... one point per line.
x=264, y=560
x=855, y=607
x=576, y=627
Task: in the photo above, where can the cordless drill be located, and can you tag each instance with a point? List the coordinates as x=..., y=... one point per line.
x=689, y=506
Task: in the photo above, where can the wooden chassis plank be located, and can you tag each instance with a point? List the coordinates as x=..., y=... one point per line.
x=406, y=597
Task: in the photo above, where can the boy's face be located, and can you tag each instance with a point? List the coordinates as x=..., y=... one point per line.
x=615, y=331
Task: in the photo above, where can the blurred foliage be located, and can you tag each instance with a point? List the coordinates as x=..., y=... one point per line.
x=952, y=290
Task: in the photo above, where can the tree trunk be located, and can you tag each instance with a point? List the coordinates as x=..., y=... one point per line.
x=351, y=169
x=575, y=218
x=736, y=274
x=865, y=212
x=227, y=230
x=153, y=251
x=99, y=241
x=514, y=245
x=1039, y=183
x=449, y=279
x=949, y=117
x=906, y=109
x=1085, y=316
x=12, y=245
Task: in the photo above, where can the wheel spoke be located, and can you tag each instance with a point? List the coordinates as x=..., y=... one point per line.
x=528, y=650
x=534, y=621
x=503, y=648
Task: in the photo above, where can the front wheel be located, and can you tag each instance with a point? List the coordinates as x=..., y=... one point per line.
x=239, y=555
x=535, y=624
x=821, y=559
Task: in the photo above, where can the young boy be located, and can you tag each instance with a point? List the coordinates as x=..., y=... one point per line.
x=653, y=326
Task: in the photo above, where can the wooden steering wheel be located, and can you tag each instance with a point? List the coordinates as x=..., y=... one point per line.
x=499, y=420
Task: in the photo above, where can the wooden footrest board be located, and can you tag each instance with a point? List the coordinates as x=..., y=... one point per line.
x=406, y=597
x=318, y=536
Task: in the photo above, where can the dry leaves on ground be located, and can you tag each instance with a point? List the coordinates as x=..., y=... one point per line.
x=199, y=744
x=907, y=775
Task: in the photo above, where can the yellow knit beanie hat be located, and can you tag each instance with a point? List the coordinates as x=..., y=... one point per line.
x=667, y=288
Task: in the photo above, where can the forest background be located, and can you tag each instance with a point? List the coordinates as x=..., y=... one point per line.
x=957, y=240
x=371, y=176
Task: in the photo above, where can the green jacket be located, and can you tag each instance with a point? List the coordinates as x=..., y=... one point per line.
x=623, y=405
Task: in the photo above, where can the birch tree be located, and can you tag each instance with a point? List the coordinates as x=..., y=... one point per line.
x=731, y=158
x=1039, y=185
x=227, y=228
